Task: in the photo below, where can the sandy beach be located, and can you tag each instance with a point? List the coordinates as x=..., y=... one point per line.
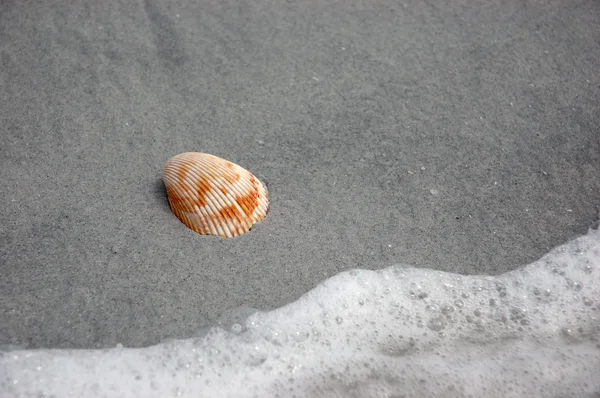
x=461, y=136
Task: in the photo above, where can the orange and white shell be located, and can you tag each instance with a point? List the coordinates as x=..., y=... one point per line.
x=213, y=196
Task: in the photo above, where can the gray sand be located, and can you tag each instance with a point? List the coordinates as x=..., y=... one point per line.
x=460, y=135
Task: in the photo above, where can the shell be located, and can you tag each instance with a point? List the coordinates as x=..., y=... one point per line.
x=213, y=196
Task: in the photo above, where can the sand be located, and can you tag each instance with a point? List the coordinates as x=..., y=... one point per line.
x=462, y=136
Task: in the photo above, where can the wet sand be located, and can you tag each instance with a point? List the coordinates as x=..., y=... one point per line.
x=459, y=136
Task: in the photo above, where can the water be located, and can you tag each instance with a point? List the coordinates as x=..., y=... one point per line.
x=396, y=332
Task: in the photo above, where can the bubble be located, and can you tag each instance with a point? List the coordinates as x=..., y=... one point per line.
x=299, y=336
x=437, y=323
x=276, y=337
x=569, y=335
x=588, y=301
x=501, y=289
x=236, y=328
x=480, y=323
x=573, y=284
x=500, y=316
x=519, y=315
x=447, y=309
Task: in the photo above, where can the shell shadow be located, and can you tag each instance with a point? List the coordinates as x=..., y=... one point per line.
x=160, y=193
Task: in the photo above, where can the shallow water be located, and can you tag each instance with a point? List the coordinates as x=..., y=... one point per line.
x=400, y=331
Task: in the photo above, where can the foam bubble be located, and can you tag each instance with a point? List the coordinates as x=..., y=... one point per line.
x=398, y=331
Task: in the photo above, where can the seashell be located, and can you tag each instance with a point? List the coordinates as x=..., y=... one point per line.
x=213, y=196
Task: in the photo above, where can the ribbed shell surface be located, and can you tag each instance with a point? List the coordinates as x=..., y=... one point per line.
x=213, y=196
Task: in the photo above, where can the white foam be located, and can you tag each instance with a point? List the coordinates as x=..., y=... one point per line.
x=395, y=332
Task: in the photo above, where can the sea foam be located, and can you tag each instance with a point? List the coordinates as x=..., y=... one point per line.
x=395, y=332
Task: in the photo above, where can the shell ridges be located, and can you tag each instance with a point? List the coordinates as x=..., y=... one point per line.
x=213, y=196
